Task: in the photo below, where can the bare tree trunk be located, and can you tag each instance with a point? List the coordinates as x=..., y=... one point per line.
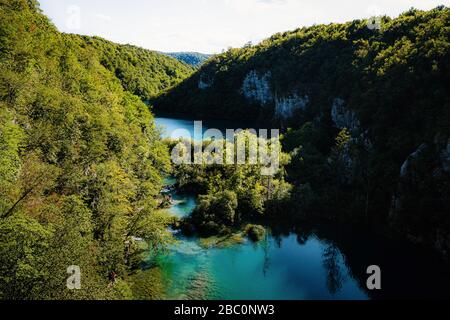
x=11, y=210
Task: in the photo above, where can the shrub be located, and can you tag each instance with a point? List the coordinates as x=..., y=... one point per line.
x=255, y=232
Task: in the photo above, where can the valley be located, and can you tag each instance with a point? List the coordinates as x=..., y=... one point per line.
x=88, y=129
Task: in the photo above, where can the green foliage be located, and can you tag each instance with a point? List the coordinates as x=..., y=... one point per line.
x=142, y=72
x=233, y=193
x=342, y=139
x=215, y=210
x=81, y=161
x=255, y=232
x=10, y=137
x=23, y=244
x=147, y=285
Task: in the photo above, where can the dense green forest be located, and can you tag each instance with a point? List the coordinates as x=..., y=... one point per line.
x=232, y=195
x=81, y=161
x=191, y=58
x=365, y=114
x=142, y=72
x=365, y=117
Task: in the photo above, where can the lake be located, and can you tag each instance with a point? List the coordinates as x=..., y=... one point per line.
x=293, y=263
x=184, y=128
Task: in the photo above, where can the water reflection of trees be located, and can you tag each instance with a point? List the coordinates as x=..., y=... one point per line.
x=331, y=259
x=282, y=231
x=266, y=262
x=332, y=255
x=360, y=247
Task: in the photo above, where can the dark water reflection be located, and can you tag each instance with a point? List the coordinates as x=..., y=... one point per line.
x=408, y=270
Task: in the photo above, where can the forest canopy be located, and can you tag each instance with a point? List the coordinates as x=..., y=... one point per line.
x=81, y=161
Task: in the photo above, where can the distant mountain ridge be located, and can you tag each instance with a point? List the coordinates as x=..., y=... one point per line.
x=191, y=58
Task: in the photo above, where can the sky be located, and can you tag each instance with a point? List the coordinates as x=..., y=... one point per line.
x=209, y=26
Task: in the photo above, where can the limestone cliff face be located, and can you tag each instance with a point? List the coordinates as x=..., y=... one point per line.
x=286, y=106
x=405, y=171
x=426, y=168
x=406, y=167
x=423, y=178
x=256, y=86
x=343, y=117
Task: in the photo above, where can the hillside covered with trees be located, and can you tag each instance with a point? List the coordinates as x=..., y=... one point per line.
x=81, y=161
x=365, y=114
x=365, y=121
x=142, y=72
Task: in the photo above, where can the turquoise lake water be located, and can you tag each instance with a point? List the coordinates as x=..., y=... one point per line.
x=183, y=128
x=276, y=268
x=298, y=263
x=177, y=128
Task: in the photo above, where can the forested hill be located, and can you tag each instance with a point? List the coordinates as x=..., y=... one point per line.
x=315, y=65
x=192, y=58
x=142, y=72
x=81, y=162
x=368, y=113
